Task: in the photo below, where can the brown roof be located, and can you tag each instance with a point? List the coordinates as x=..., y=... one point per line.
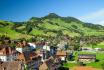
x=27, y=56
x=61, y=53
x=43, y=66
x=23, y=57
x=33, y=55
x=84, y=68
x=7, y=51
x=14, y=65
x=91, y=56
x=47, y=64
x=22, y=44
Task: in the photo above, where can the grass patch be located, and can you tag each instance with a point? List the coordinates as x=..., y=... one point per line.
x=71, y=65
x=99, y=57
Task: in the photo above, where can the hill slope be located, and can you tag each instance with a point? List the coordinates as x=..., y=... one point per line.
x=51, y=25
x=6, y=28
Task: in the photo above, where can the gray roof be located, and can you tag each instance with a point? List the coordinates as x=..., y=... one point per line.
x=86, y=56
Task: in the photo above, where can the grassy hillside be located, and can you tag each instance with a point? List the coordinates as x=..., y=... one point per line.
x=6, y=29
x=68, y=25
x=50, y=25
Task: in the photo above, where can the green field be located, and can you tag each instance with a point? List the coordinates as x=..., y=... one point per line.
x=99, y=57
x=12, y=33
x=99, y=45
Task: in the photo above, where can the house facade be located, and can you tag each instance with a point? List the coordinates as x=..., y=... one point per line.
x=31, y=61
x=22, y=47
x=61, y=54
x=8, y=54
x=86, y=58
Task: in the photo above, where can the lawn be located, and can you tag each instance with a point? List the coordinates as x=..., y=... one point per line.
x=99, y=45
x=99, y=57
x=37, y=32
x=95, y=64
x=71, y=65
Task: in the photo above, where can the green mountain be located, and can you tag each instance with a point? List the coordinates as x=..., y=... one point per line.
x=50, y=25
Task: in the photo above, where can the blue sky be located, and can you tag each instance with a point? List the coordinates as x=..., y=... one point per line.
x=21, y=10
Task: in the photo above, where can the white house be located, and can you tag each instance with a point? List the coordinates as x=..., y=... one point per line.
x=32, y=46
x=46, y=47
x=22, y=47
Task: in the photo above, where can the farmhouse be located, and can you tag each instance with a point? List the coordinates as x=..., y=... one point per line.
x=86, y=57
x=61, y=54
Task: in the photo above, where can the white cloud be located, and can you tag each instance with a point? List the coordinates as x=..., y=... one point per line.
x=100, y=22
x=96, y=17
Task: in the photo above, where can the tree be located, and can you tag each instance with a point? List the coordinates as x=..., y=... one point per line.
x=66, y=46
x=59, y=33
x=28, y=28
x=76, y=46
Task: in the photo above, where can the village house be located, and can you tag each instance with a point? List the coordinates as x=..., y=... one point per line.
x=86, y=58
x=44, y=55
x=11, y=65
x=49, y=64
x=97, y=49
x=31, y=60
x=22, y=53
x=46, y=51
x=32, y=46
x=101, y=50
x=87, y=49
x=7, y=53
x=22, y=46
x=62, y=55
x=53, y=50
